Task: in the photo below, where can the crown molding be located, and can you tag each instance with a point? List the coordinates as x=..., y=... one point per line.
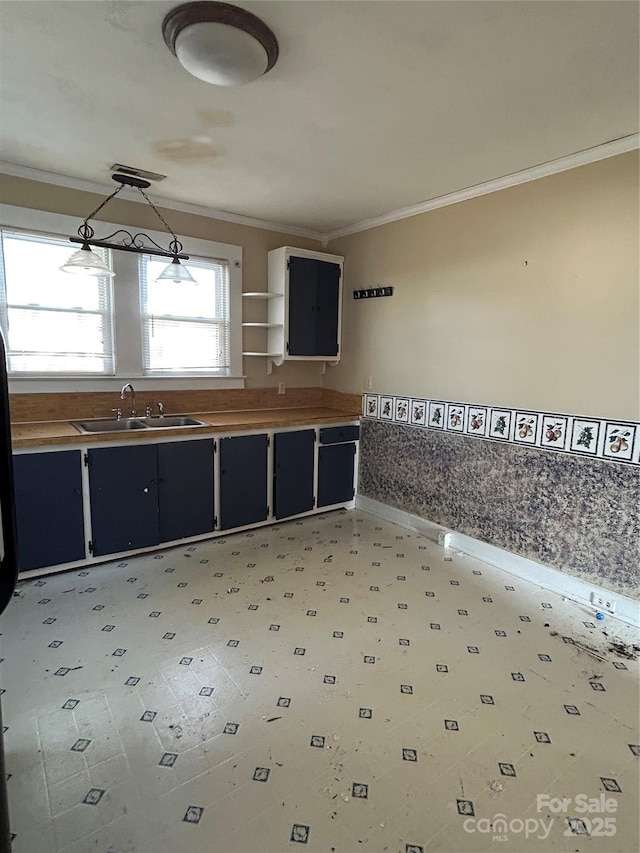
x=552, y=167
x=543, y=170
x=45, y=177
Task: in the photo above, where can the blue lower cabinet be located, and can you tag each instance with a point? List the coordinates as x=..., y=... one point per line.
x=293, y=464
x=48, y=502
x=123, y=487
x=243, y=480
x=185, y=476
x=336, y=465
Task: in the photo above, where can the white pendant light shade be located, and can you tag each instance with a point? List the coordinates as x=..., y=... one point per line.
x=219, y=54
x=220, y=43
x=176, y=272
x=86, y=262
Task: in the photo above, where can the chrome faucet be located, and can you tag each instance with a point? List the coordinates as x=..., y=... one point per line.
x=125, y=388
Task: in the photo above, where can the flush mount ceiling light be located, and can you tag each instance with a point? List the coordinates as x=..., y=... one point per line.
x=86, y=262
x=220, y=43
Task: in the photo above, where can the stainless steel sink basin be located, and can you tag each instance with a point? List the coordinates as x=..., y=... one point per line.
x=108, y=425
x=171, y=421
x=126, y=424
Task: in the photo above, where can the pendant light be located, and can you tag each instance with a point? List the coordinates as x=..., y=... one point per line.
x=87, y=262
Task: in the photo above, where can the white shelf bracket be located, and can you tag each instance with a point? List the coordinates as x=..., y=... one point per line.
x=271, y=362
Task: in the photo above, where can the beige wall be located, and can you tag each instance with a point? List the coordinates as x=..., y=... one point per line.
x=255, y=242
x=469, y=321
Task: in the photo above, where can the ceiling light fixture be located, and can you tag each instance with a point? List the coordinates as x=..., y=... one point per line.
x=86, y=262
x=220, y=43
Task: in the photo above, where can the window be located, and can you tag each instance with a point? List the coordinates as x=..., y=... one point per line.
x=54, y=323
x=185, y=326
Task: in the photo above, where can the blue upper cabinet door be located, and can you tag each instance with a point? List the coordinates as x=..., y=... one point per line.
x=293, y=472
x=336, y=464
x=314, y=305
x=243, y=480
x=328, y=296
x=303, y=306
x=185, y=474
x=49, y=518
x=123, y=485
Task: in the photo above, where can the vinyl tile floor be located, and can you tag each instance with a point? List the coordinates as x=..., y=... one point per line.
x=333, y=684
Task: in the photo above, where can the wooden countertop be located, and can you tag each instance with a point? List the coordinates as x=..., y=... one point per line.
x=48, y=433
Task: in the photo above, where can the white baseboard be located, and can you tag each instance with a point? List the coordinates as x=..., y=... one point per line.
x=627, y=610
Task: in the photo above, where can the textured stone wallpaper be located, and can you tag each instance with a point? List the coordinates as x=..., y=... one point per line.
x=576, y=514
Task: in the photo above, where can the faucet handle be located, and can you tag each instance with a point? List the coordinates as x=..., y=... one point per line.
x=118, y=414
x=160, y=409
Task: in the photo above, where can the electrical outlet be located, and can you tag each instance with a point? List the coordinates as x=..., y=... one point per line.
x=603, y=602
x=282, y=387
x=444, y=539
x=368, y=383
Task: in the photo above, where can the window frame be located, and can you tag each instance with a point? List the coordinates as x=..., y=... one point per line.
x=147, y=319
x=127, y=315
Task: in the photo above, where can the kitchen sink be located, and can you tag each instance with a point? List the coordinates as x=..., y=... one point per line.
x=171, y=421
x=108, y=425
x=126, y=424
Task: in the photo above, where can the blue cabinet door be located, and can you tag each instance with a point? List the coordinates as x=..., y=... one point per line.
x=123, y=486
x=49, y=519
x=243, y=480
x=314, y=290
x=327, y=310
x=335, y=473
x=185, y=477
x=303, y=297
x=293, y=472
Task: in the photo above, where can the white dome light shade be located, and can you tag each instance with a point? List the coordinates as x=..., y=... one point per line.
x=220, y=43
x=220, y=54
x=86, y=262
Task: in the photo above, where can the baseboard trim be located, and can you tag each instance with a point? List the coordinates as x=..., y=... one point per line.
x=627, y=610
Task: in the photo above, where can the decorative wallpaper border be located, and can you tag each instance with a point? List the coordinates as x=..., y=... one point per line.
x=616, y=441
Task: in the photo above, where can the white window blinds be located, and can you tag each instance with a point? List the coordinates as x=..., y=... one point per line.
x=54, y=323
x=185, y=326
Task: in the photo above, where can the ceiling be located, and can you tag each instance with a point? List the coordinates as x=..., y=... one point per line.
x=372, y=106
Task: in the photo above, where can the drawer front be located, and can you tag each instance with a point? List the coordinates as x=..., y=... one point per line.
x=335, y=435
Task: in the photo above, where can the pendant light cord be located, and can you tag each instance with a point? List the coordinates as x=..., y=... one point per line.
x=106, y=201
x=158, y=214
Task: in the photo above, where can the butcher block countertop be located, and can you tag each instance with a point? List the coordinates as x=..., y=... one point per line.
x=49, y=433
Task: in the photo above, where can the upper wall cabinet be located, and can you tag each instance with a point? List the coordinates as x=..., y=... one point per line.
x=305, y=311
